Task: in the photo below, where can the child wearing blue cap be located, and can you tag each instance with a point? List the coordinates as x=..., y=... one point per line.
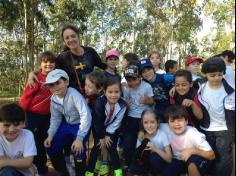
x=159, y=86
x=70, y=123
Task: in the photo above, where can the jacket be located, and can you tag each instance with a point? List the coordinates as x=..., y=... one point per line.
x=103, y=126
x=37, y=99
x=229, y=108
x=74, y=111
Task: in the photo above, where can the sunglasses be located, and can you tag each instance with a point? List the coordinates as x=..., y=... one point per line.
x=54, y=84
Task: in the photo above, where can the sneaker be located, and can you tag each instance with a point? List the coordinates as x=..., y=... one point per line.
x=104, y=169
x=118, y=172
x=97, y=166
x=87, y=173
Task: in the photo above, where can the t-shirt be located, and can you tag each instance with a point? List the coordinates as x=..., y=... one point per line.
x=230, y=76
x=23, y=146
x=81, y=65
x=161, y=95
x=215, y=101
x=195, y=77
x=160, y=140
x=190, y=138
x=160, y=71
x=113, y=76
x=136, y=108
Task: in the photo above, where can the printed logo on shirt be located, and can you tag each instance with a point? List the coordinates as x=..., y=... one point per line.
x=18, y=155
x=230, y=102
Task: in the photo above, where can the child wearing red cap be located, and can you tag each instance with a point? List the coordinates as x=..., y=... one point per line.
x=112, y=60
x=192, y=64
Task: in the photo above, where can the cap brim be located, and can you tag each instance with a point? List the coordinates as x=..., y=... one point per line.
x=51, y=81
x=112, y=55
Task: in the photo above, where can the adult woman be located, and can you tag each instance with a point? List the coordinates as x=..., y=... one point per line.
x=76, y=60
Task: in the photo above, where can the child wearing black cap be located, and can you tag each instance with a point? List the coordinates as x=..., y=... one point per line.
x=160, y=86
x=217, y=99
x=139, y=96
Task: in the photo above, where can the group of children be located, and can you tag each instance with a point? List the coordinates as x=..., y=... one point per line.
x=167, y=123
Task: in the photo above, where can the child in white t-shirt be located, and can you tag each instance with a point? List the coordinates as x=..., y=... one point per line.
x=191, y=151
x=153, y=152
x=139, y=96
x=217, y=99
x=17, y=146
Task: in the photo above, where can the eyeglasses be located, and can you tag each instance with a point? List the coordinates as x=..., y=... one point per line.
x=54, y=84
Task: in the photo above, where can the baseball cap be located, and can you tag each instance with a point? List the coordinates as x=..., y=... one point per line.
x=214, y=64
x=144, y=64
x=191, y=59
x=55, y=75
x=131, y=71
x=110, y=53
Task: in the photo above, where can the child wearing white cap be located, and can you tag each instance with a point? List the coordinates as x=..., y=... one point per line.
x=70, y=122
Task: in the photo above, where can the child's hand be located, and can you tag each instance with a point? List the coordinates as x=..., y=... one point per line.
x=31, y=80
x=101, y=143
x=187, y=103
x=77, y=146
x=150, y=146
x=108, y=141
x=48, y=141
x=128, y=101
x=186, y=153
x=2, y=161
x=172, y=92
x=141, y=135
x=142, y=100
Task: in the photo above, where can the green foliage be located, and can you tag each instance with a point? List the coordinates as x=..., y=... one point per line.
x=29, y=27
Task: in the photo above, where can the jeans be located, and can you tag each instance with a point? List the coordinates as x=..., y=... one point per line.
x=10, y=171
x=39, y=125
x=178, y=167
x=130, y=139
x=221, y=142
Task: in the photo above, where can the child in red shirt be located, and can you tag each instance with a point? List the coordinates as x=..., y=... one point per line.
x=36, y=103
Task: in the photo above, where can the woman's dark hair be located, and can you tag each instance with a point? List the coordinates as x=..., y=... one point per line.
x=46, y=56
x=184, y=73
x=132, y=58
x=12, y=113
x=72, y=27
x=97, y=78
x=111, y=81
x=175, y=112
x=170, y=65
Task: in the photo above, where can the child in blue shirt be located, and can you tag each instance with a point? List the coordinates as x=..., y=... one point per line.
x=159, y=86
x=171, y=66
